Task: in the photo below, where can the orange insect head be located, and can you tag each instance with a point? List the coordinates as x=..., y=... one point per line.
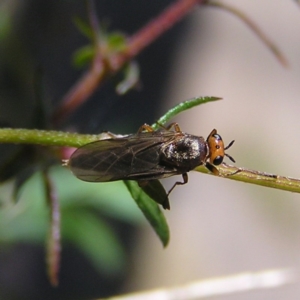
x=217, y=149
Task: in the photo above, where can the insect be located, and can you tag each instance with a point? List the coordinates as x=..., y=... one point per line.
x=148, y=155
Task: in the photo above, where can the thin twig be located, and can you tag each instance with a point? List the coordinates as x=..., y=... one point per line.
x=57, y=138
x=53, y=245
x=153, y=30
x=255, y=28
x=48, y=138
x=89, y=82
x=111, y=63
x=256, y=177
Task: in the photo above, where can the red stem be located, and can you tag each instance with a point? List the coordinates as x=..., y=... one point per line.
x=93, y=78
x=154, y=29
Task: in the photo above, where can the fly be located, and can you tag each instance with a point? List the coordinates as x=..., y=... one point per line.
x=148, y=155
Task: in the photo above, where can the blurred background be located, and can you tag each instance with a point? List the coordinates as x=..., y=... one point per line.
x=218, y=227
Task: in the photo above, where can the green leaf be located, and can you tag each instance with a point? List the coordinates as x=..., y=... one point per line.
x=182, y=106
x=116, y=41
x=111, y=198
x=155, y=190
x=150, y=210
x=28, y=220
x=95, y=238
x=83, y=56
x=83, y=27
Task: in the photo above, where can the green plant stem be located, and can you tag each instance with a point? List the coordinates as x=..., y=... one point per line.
x=105, y=64
x=47, y=138
x=58, y=138
x=256, y=177
x=67, y=139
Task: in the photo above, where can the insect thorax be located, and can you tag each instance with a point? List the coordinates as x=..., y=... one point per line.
x=186, y=151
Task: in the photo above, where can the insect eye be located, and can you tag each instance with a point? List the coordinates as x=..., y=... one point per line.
x=218, y=160
x=217, y=137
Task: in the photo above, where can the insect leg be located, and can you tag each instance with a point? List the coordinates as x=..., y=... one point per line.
x=174, y=125
x=148, y=128
x=185, y=180
x=215, y=171
x=212, y=168
x=233, y=173
x=145, y=127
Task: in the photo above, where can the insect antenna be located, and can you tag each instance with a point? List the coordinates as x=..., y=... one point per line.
x=230, y=144
x=230, y=157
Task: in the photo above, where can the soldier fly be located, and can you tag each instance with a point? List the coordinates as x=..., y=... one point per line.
x=148, y=155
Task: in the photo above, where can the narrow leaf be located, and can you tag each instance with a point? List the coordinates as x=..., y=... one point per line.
x=95, y=239
x=155, y=190
x=83, y=56
x=150, y=210
x=182, y=106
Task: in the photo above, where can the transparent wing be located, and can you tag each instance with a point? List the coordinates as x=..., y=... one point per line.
x=134, y=157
